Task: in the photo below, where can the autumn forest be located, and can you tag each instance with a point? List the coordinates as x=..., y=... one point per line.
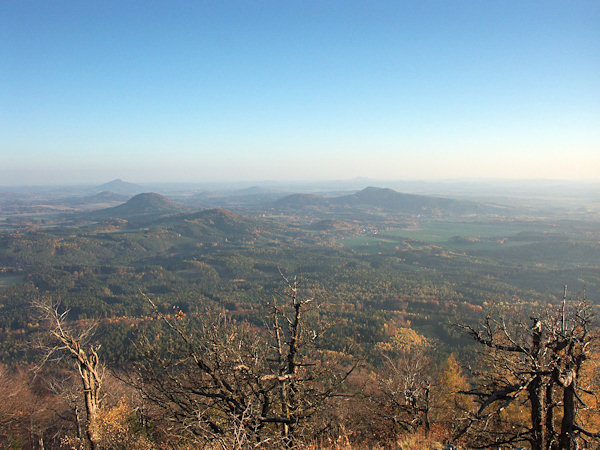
x=256, y=318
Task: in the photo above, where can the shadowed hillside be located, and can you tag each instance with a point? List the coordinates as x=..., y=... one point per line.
x=372, y=199
x=140, y=206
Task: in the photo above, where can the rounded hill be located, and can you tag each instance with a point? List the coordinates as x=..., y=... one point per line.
x=146, y=204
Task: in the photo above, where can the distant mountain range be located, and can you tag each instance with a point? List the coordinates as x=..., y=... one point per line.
x=373, y=199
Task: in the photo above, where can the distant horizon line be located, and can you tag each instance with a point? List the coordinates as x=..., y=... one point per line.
x=313, y=182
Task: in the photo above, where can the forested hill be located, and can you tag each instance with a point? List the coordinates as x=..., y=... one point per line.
x=147, y=204
x=373, y=198
x=386, y=288
x=215, y=225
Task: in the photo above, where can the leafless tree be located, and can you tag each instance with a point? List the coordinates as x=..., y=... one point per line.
x=538, y=364
x=65, y=339
x=403, y=397
x=237, y=381
x=18, y=406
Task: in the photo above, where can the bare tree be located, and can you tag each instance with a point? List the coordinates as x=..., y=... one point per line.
x=238, y=382
x=538, y=365
x=67, y=340
x=403, y=397
x=571, y=346
x=18, y=406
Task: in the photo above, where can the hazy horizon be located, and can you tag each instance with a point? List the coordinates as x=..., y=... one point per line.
x=300, y=91
x=347, y=183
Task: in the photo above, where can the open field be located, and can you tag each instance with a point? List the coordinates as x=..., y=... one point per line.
x=456, y=235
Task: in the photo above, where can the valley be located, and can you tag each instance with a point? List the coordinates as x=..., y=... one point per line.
x=372, y=258
x=391, y=277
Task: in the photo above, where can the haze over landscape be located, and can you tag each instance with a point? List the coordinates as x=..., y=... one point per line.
x=316, y=224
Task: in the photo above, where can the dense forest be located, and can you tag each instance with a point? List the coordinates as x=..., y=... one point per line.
x=370, y=319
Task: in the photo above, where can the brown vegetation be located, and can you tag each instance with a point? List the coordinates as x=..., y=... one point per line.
x=228, y=384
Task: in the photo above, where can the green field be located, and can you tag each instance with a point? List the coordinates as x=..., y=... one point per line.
x=484, y=235
x=442, y=231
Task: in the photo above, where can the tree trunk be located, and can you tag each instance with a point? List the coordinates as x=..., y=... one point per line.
x=426, y=412
x=537, y=412
x=535, y=391
x=550, y=433
x=568, y=421
x=91, y=381
x=91, y=407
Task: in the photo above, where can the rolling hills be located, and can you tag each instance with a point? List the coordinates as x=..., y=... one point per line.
x=373, y=199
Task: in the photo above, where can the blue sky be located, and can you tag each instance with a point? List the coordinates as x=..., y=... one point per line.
x=257, y=90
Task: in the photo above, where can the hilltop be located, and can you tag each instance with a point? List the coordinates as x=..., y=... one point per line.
x=141, y=205
x=394, y=201
x=119, y=186
x=373, y=199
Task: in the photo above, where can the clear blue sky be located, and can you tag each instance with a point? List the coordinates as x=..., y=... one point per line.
x=255, y=90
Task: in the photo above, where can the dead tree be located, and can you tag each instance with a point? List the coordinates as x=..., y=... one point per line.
x=571, y=347
x=66, y=340
x=232, y=379
x=535, y=365
x=403, y=397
